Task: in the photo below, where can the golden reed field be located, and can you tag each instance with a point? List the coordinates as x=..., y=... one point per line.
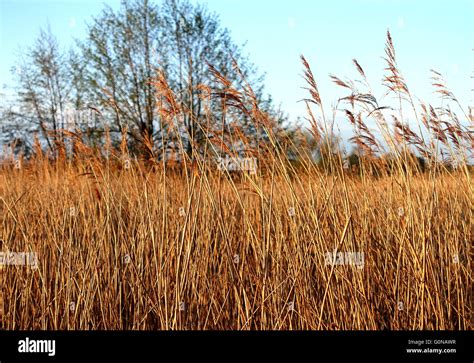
x=134, y=243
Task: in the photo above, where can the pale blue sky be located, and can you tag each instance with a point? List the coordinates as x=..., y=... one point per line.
x=427, y=34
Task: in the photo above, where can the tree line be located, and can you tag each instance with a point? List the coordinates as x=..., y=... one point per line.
x=111, y=79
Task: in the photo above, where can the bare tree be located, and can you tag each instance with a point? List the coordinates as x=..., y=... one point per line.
x=43, y=88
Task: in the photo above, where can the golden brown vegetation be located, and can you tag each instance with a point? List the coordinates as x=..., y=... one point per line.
x=149, y=247
x=117, y=252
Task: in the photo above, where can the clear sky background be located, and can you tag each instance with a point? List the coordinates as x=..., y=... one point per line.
x=427, y=34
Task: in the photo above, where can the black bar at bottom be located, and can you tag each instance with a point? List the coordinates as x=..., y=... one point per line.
x=442, y=346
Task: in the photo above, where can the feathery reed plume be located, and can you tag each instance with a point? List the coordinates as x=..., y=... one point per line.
x=232, y=98
x=310, y=80
x=453, y=128
x=394, y=81
x=339, y=82
x=405, y=133
x=351, y=118
x=425, y=116
x=439, y=83
x=246, y=87
x=166, y=101
x=259, y=116
x=219, y=76
x=326, y=129
x=436, y=126
x=229, y=96
x=363, y=98
x=363, y=138
x=359, y=68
